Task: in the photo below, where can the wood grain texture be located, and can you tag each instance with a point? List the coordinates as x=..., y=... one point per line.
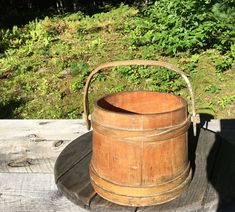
x=33, y=145
x=43, y=129
x=72, y=173
x=99, y=204
x=22, y=192
x=140, y=143
x=76, y=182
x=28, y=150
x=77, y=150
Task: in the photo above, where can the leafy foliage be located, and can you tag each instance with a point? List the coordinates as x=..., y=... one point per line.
x=223, y=102
x=158, y=79
x=212, y=89
x=181, y=26
x=44, y=64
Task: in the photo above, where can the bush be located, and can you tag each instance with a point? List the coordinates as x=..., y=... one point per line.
x=181, y=26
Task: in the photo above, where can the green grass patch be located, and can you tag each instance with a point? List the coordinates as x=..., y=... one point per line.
x=44, y=65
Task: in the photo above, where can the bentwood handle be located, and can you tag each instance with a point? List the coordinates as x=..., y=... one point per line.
x=169, y=66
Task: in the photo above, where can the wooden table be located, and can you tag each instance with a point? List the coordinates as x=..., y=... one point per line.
x=29, y=149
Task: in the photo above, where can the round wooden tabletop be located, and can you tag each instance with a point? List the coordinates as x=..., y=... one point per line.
x=204, y=192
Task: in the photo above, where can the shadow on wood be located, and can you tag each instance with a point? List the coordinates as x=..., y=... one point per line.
x=222, y=177
x=193, y=140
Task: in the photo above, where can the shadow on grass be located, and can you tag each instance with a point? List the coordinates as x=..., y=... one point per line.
x=21, y=12
x=7, y=111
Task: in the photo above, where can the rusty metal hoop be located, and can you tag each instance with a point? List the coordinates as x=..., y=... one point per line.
x=86, y=115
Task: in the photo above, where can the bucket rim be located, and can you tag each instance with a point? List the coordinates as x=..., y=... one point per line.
x=184, y=104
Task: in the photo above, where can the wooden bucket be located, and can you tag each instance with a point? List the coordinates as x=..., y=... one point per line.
x=140, y=143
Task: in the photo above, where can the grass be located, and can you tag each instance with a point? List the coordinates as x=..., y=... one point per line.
x=212, y=87
x=44, y=65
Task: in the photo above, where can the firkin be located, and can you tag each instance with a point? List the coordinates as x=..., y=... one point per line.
x=139, y=144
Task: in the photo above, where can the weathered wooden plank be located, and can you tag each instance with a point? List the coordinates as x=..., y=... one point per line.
x=191, y=199
x=74, y=182
x=72, y=154
x=72, y=171
x=221, y=189
x=29, y=156
x=38, y=130
x=22, y=192
x=34, y=145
